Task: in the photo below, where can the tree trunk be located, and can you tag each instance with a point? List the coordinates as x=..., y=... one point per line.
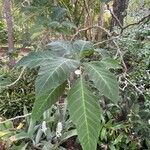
x=119, y=10
x=99, y=34
x=9, y=22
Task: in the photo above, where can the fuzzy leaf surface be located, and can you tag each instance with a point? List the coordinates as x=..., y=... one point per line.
x=45, y=100
x=85, y=113
x=53, y=70
x=82, y=47
x=60, y=48
x=104, y=80
x=52, y=73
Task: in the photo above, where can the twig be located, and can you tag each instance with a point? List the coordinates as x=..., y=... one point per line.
x=133, y=85
x=111, y=39
x=121, y=56
x=136, y=23
x=15, y=80
x=88, y=28
x=17, y=117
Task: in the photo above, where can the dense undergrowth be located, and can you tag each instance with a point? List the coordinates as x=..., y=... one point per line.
x=75, y=94
x=123, y=126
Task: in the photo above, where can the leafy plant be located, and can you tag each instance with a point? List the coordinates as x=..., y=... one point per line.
x=50, y=84
x=13, y=98
x=44, y=134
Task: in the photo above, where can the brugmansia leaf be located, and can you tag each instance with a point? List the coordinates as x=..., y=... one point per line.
x=35, y=59
x=52, y=73
x=53, y=70
x=82, y=47
x=60, y=48
x=110, y=63
x=104, y=81
x=85, y=113
x=3, y=133
x=45, y=100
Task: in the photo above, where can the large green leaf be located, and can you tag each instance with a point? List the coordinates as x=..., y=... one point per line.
x=85, y=113
x=35, y=59
x=60, y=48
x=52, y=73
x=53, y=70
x=110, y=63
x=45, y=99
x=104, y=80
x=64, y=48
x=82, y=47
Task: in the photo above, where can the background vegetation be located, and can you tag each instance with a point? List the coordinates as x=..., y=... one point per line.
x=85, y=83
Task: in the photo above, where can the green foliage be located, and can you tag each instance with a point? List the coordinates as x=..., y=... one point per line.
x=85, y=113
x=13, y=99
x=54, y=71
x=3, y=33
x=43, y=134
x=104, y=81
x=77, y=98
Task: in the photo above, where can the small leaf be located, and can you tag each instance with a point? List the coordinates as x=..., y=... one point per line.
x=112, y=147
x=48, y=146
x=58, y=13
x=21, y=135
x=85, y=113
x=20, y=126
x=68, y=24
x=22, y=146
x=54, y=24
x=4, y=81
x=103, y=134
x=53, y=70
x=25, y=112
x=118, y=139
x=104, y=81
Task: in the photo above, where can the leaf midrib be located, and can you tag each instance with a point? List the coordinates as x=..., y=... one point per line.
x=102, y=78
x=53, y=73
x=45, y=101
x=84, y=109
